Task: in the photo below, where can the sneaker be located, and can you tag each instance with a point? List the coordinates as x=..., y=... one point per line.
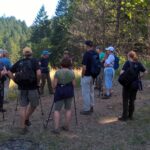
x=130, y=118
x=122, y=119
x=85, y=112
x=65, y=128
x=91, y=109
x=2, y=110
x=5, y=102
x=27, y=123
x=106, y=97
x=56, y=131
x=23, y=131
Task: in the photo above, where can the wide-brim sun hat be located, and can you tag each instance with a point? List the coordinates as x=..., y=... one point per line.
x=27, y=50
x=110, y=48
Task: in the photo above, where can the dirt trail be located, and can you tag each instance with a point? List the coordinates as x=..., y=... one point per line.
x=100, y=131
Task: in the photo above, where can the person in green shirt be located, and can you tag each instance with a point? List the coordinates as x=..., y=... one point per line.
x=63, y=77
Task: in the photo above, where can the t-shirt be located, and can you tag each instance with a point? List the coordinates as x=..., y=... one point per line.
x=137, y=66
x=6, y=61
x=64, y=76
x=44, y=65
x=87, y=61
x=36, y=67
x=101, y=56
x=110, y=60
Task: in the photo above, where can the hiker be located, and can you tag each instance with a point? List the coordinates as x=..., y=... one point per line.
x=109, y=71
x=7, y=63
x=129, y=91
x=44, y=61
x=3, y=73
x=66, y=54
x=99, y=83
x=87, y=85
x=64, y=82
x=26, y=74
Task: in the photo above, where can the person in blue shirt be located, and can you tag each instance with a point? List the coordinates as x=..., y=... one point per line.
x=44, y=61
x=4, y=58
x=3, y=72
x=109, y=71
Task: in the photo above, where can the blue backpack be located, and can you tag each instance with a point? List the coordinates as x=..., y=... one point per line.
x=116, y=62
x=95, y=65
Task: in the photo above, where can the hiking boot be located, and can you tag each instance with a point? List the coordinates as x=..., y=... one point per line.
x=23, y=131
x=27, y=123
x=2, y=110
x=106, y=96
x=85, y=112
x=65, y=128
x=5, y=102
x=122, y=119
x=56, y=131
x=130, y=118
x=91, y=109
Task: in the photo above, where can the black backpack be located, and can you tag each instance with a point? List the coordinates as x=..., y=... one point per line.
x=95, y=64
x=25, y=72
x=128, y=76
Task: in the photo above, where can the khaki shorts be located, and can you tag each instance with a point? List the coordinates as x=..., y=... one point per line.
x=29, y=96
x=65, y=102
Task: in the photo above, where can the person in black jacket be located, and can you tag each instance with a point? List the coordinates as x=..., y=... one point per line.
x=3, y=72
x=26, y=74
x=128, y=92
x=45, y=72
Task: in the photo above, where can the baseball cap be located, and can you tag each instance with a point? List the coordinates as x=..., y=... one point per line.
x=110, y=48
x=45, y=52
x=27, y=50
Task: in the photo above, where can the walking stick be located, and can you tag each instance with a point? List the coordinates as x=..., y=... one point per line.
x=45, y=126
x=42, y=113
x=75, y=109
x=13, y=122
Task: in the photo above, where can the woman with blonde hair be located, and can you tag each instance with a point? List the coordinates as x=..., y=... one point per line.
x=129, y=91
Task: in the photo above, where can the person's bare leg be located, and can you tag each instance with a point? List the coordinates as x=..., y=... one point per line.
x=56, y=119
x=67, y=118
x=23, y=116
x=29, y=112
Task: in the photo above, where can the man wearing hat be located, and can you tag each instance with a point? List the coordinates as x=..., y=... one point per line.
x=44, y=61
x=109, y=71
x=26, y=73
x=87, y=80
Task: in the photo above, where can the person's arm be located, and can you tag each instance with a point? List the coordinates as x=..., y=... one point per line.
x=125, y=66
x=55, y=81
x=38, y=76
x=83, y=70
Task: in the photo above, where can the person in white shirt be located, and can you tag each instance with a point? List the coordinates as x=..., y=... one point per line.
x=109, y=71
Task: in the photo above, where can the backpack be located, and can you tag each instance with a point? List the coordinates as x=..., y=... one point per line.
x=63, y=91
x=127, y=77
x=116, y=62
x=25, y=72
x=95, y=65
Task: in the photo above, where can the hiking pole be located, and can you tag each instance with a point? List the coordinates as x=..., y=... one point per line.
x=42, y=113
x=75, y=109
x=45, y=126
x=13, y=122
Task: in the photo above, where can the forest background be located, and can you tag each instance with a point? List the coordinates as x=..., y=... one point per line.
x=124, y=24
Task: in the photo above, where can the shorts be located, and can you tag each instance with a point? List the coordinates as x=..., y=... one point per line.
x=65, y=102
x=29, y=96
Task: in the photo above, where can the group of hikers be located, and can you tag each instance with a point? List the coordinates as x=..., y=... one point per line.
x=98, y=69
